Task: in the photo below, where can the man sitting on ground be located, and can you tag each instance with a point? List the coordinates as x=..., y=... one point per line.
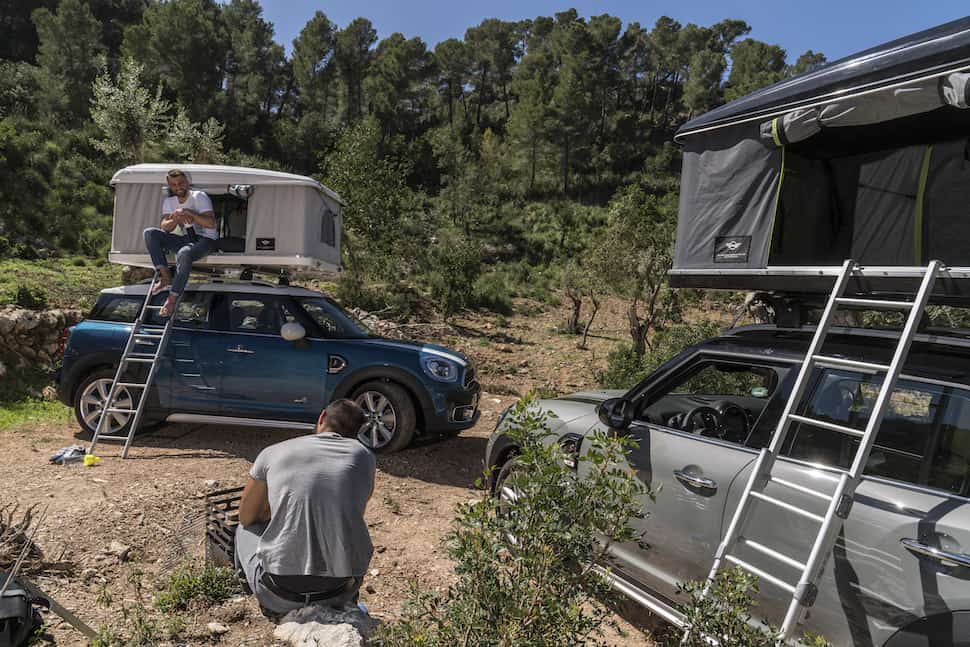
x=188, y=228
x=302, y=537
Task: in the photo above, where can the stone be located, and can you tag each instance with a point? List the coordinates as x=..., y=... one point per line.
x=88, y=575
x=370, y=589
x=375, y=572
x=119, y=550
x=212, y=484
x=216, y=628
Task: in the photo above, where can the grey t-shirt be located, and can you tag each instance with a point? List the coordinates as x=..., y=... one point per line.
x=318, y=489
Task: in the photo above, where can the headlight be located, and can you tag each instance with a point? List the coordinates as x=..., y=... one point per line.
x=440, y=369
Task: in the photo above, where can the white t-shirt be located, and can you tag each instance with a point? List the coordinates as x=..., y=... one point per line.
x=197, y=201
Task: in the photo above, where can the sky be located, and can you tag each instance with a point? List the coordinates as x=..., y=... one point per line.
x=835, y=28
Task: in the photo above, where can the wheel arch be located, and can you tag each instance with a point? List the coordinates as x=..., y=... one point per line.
x=400, y=377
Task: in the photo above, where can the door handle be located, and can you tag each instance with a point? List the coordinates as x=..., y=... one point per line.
x=695, y=481
x=940, y=555
x=240, y=349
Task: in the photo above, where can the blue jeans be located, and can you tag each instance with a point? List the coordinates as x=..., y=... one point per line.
x=158, y=241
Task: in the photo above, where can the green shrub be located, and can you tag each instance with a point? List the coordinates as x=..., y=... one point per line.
x=624, y=369
x=194, y=585
x=31, y=298
x=492, y=293
x=78, y=262
x=24, y=251
x=455, y=266
x=5, y=247
x=523, y=566
x=723, y=615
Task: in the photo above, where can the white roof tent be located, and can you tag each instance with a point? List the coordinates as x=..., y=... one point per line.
x=266, y=219
x=865, y=158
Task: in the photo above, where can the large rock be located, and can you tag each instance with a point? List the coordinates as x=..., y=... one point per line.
x=313, y=626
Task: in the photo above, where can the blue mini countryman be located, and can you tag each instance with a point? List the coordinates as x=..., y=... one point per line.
x=227, y=363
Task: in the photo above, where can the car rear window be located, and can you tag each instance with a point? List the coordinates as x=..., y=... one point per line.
x=924, y=438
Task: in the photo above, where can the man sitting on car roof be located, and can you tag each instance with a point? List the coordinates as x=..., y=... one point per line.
x=188, y=228
x=302, y=537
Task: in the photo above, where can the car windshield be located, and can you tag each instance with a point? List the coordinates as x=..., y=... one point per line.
x=333, y=320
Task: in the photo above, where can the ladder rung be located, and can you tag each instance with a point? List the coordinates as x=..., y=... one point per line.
x=154, y=307
x=111, y=410
x=137, y=354
x=136, y=385
x=785, y=559
x=875, y=304
x=831, y=426
x=141, y=360
x=754, y=570
x=787, y=506
x=801, y=488
x=147, y=336
x=849, y=363
x=105, y=437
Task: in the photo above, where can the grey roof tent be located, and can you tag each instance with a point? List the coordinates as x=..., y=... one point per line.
x=266, y=219
x=865, y=158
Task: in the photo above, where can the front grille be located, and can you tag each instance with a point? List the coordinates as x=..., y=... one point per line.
x=469, y=377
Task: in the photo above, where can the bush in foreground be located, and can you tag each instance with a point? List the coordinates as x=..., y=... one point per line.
x=524, y=566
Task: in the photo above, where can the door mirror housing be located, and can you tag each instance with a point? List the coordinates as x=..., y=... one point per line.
x=292, y=331
x=616, y=413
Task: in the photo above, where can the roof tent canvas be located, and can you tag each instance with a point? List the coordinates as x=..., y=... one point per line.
x=266, y=219
x=865, y=158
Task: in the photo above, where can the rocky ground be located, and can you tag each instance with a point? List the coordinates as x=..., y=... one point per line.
x=124, y=520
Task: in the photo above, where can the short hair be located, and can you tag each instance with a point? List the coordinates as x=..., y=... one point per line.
x=344, y=417
x=177, y=172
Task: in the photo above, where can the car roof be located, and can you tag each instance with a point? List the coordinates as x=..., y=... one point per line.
x=254, y=287
x=932, y=355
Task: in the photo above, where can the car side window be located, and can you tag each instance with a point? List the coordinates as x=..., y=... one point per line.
x=123, y=309
x=254, y=313
x=193, y=311
x=714, y=398
x=924, y=438
x=321, y=315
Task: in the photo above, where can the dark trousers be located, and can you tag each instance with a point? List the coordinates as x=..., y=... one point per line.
x=284, y=593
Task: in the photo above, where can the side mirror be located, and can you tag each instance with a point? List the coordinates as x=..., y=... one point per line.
x=616, y=413
x=292, y=332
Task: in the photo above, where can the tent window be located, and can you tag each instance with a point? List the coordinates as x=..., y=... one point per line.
x=328, y=227
x=231, y=212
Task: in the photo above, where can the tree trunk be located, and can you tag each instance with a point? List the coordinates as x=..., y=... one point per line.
x=481, y=96
x=572, y=324
x=638, y=330
x=589, y=324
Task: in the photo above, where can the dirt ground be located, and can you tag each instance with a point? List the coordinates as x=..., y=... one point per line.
x=152, y=502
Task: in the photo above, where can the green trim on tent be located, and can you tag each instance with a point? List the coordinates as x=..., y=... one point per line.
x=774, y=213
x=924, y=173
x=775, y=136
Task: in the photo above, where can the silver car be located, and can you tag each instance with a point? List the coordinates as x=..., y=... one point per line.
x=899, y=575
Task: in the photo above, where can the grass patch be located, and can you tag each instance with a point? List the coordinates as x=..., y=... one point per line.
x=20, y=401
x=194, y=585
x=65, y=284
x=31, y=411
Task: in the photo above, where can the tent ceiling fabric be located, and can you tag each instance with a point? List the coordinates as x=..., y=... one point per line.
x=878, y=107
x=933, y=52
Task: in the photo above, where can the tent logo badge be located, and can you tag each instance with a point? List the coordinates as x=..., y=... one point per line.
x=732, y=249
x=265, y=244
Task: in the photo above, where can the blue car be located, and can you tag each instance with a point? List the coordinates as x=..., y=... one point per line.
x=227, y=362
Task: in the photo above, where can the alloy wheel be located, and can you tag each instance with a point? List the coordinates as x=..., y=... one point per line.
x=93, y=399
x=380, y=419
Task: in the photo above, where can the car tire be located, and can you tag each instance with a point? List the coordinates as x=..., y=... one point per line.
x=509, y=467
x=89, y=398
x=391, y=418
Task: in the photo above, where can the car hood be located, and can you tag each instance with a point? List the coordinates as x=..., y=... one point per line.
x=434, y=349
x=575, y=405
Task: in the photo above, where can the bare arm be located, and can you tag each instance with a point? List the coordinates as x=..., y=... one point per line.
x=205, y=219
x=254, y=506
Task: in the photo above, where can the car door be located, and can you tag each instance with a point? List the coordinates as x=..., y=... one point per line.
x=266, y=376
x=190, y=373
x=897, y=558
x=690, y=464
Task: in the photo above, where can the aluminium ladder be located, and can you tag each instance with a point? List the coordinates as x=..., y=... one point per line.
x=141, y=334
x=840, y=501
